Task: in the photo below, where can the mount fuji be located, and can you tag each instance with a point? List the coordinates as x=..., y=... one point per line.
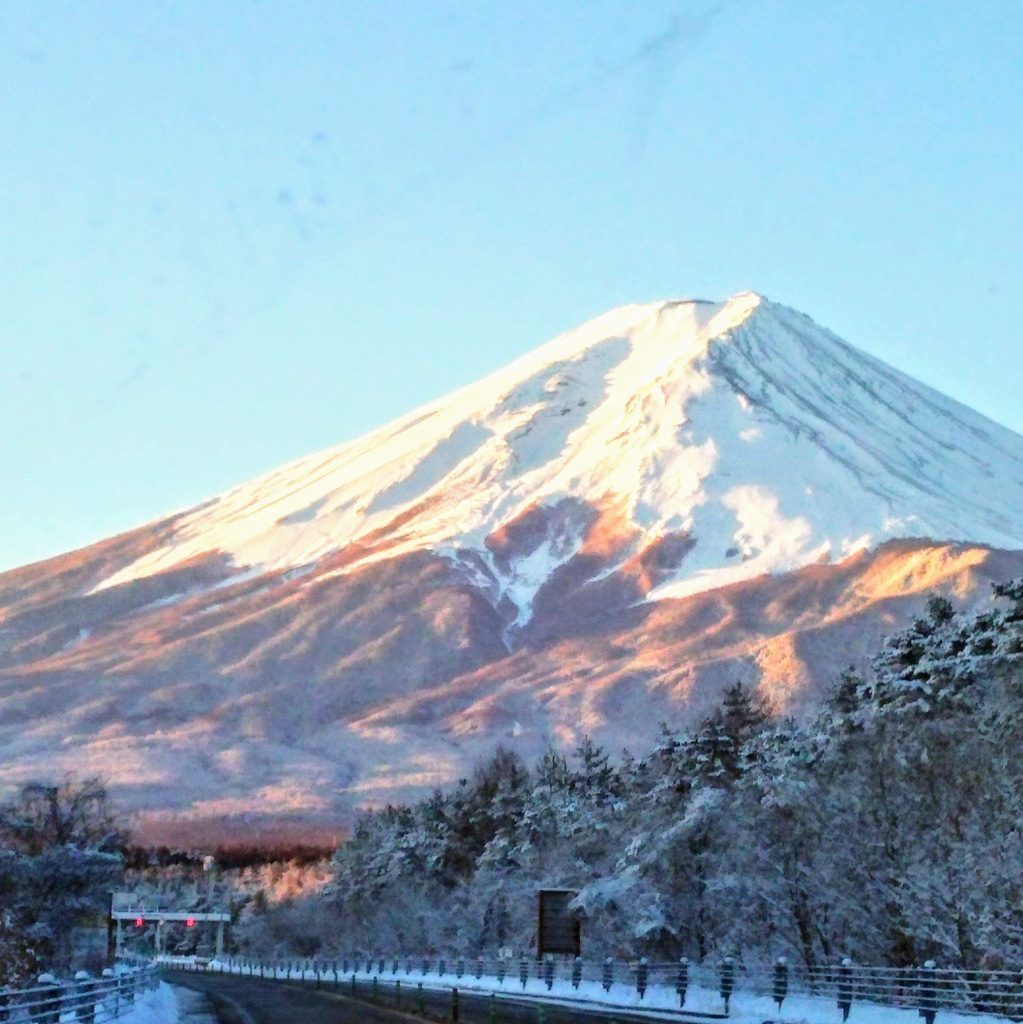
x=590, y=541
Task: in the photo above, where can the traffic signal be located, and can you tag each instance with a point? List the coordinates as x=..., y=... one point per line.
x=139, y=922
x=189, y=922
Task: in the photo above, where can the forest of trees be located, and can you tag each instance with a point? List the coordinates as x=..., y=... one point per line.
x=60, y=856
x=887, y=829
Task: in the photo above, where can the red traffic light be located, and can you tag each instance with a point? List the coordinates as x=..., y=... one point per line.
x=139, y=922
x=189, y=922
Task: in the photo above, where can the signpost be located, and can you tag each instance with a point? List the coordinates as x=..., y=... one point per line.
x=558, y=930
x=126, y=908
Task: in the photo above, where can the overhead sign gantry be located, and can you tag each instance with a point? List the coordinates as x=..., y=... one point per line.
x=126, y=907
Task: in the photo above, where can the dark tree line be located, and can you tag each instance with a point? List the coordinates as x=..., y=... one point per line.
x=228, y=858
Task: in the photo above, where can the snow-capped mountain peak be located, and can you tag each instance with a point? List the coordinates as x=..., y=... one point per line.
x=363, y=624
x=753, y=439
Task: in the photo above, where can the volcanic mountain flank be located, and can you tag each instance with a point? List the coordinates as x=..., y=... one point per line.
x=594, y=539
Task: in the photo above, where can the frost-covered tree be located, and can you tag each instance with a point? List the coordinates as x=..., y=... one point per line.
x=565, y=834
x=59, y=858
x=402, y=881
x=898, y=839
x=886, y=828
x=942, y=734
x=73, y=812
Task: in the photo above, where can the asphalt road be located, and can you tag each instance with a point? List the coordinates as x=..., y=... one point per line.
x=238, y=1000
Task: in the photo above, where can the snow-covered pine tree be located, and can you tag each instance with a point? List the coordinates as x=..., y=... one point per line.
x=60, y=856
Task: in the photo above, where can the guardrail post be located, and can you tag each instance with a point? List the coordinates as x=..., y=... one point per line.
x=577, y=971
x=780, y=981
x=353, y=987
x=928, y=992
x=844, y=988
x=682, y=980
x=492, y=1016
x=454, y=1006
x=85, y=1008
x=541, y=1014
x=420, y=1001
x=115, y=990
x=397, y=994
x=642, y=972
x=727, y=980
x=49, y=999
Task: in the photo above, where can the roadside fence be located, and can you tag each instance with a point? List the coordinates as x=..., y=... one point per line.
x=706, y=988
x=91, y=1000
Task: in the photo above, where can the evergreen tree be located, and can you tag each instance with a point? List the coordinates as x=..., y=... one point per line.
x=59, y=859
x=886, y=828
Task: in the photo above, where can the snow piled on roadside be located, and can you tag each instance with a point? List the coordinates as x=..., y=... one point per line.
x=153, y=1006
x=659, y=1002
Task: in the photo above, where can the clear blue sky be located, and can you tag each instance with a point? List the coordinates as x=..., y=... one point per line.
x=233, y=233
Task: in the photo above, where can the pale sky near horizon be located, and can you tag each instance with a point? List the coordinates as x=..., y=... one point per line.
x=234, y=233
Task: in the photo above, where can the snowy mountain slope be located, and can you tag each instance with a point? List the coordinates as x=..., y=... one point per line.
x=595, y=539
x=262, y=710
x=743, y=426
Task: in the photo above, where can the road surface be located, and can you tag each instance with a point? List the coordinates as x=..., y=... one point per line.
x=242, y=1000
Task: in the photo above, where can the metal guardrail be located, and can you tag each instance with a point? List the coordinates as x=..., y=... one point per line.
x=91, y=1000
x=925, y=990
x=928, y=988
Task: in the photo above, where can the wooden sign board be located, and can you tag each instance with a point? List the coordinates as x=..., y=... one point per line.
x=558, y=930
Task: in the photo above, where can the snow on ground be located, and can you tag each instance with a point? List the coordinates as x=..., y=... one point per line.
x=195, y=1007
x=741, y=424
x=153, y=1006
x=159, y=1006
x=660, y=1000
